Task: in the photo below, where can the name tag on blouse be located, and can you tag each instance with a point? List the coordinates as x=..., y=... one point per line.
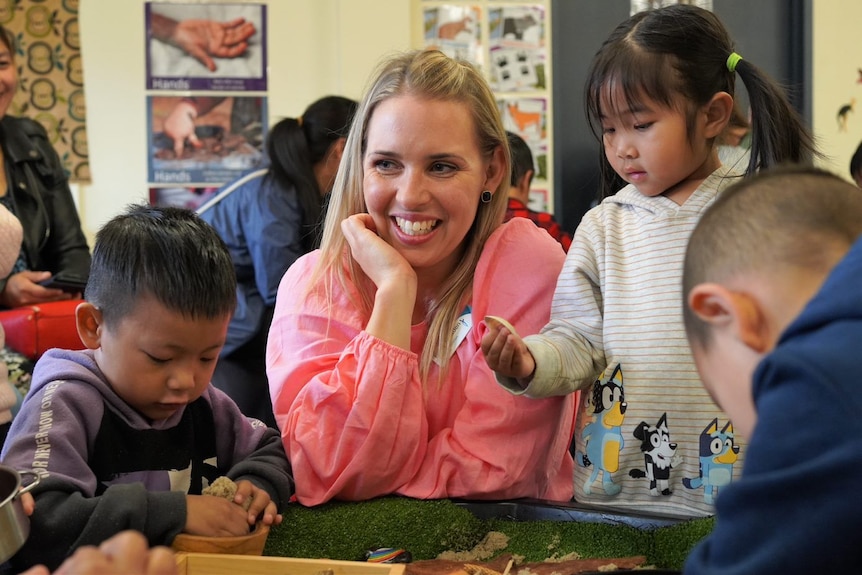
x=460, y=330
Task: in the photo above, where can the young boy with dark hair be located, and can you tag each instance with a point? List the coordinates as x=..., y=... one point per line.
x=773, y=315
x=523, y=171
x=127, y=433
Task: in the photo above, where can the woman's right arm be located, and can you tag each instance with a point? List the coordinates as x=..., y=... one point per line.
x=350, y=405
x=392, y=314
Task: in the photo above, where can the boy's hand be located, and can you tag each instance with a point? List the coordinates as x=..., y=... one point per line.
x=28, y=503
x=214, y=517
x=261, y=505
x=505, y=351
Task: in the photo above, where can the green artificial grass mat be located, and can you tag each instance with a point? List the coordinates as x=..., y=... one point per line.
x=344, y=531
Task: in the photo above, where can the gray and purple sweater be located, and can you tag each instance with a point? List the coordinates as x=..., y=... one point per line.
x=105, y=468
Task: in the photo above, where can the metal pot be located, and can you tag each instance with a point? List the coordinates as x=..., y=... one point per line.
x=14, y=523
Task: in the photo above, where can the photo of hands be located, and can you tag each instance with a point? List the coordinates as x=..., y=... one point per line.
x=206, y=46
x=204, y=139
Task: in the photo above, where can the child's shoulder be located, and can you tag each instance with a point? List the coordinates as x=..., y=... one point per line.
x=224, y=409
x=67, y=376
x=520, y=236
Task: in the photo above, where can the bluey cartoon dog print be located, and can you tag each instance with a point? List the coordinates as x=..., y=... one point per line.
x=659, y=455
x=717, y=453
x=602, y=436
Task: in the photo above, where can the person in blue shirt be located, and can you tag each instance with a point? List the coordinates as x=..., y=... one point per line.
x=268, y=218
x=773, y=314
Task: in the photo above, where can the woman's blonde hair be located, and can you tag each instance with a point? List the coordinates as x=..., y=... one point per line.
x=425, y=74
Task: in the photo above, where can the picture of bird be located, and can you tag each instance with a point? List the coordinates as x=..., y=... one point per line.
x=843, y=113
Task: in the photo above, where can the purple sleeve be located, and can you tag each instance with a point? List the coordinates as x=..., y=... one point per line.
x=50, y=435
x=253, y=450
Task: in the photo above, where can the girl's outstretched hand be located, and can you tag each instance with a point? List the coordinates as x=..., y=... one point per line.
x=505, y=351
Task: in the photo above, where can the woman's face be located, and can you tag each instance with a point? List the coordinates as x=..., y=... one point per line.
x=8, y=78
x=423, y=175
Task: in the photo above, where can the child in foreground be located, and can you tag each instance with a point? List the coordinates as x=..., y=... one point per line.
x=127, y=433
x=659, y=95
x=774, y=319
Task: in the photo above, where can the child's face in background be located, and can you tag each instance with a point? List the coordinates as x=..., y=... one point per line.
x=648, y=145
x=158, y=360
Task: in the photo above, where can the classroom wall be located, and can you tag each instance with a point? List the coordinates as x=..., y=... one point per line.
x=316, y=47
x=837, y=60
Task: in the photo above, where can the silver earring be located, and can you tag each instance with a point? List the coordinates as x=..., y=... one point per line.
x=486, y=196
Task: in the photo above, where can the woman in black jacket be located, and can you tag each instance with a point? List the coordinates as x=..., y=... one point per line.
x=34, y=187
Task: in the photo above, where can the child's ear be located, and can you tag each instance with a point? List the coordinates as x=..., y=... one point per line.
x=718, y=111
x=739, y=313
x=88, y=319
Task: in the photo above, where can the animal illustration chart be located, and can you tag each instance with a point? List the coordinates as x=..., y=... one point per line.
x=528, y=118
x=454, y=30
x=641, y=5
x=508, y=42
x=517, y=47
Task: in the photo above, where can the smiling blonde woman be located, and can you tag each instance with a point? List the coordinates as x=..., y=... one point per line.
x=377, y=379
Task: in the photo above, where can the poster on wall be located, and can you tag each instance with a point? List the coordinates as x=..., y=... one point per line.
x=454, y=30
x=51, y=76
x=180, y=197
x=517, y=48
x=641, y=5
x=528, y=118
x=210, y=46
x=539, y=200
x=223, y=141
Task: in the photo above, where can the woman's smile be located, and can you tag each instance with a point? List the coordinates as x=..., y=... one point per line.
x=415, y=227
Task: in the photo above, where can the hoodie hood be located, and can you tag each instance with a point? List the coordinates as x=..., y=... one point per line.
x=839, y=299
x=80, y=368
x=661, y=205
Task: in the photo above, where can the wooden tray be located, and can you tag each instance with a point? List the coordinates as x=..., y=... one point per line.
x=218, y=564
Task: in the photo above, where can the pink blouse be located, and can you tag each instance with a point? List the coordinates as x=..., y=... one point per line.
x=357, y=422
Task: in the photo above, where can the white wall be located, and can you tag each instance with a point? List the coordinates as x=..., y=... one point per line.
x=837, y=59
x=315, y=47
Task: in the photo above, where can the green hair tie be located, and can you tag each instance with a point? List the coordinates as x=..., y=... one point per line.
x=732, y=61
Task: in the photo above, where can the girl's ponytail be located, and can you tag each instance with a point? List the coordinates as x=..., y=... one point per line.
x=778, y=134
x=291, y=168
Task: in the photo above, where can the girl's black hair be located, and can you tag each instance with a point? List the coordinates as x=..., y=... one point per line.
x=681, y=50
x=295, y=145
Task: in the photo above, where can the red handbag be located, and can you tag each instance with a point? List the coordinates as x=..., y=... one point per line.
x=33, y=329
